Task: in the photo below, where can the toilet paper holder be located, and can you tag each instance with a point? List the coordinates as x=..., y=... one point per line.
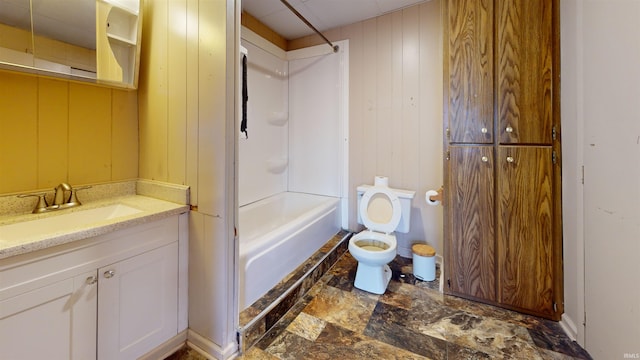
x=434, y=197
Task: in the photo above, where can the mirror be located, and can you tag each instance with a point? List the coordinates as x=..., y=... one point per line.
x=88, y=40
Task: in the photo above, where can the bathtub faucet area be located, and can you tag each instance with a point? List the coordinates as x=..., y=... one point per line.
x=64, y=197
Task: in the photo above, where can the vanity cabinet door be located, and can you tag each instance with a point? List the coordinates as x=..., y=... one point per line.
x=56, y=321
x=138, y=303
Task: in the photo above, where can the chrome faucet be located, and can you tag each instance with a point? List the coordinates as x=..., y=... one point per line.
x=60, y=198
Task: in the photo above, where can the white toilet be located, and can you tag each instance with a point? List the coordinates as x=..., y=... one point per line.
x=382, y=210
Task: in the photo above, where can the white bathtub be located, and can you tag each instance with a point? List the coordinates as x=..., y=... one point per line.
x=278, y=234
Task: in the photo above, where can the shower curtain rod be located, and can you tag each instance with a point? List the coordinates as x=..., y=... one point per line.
x=293, y=10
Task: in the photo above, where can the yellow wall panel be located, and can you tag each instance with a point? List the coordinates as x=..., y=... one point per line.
x=54, y=130
x=153, y=88
x=177, y=92
x=192, y=75
x=53, y=147
x=124, y=134
x=89, y=134
x=18, y=129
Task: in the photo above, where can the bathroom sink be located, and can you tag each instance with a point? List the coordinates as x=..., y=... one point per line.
x=42, y=227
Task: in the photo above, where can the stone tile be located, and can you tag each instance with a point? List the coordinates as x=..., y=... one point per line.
x=386, y=325
x=289, y=346
x=549, y=335
x=486, y=310
x=552, y=355
x=307, y=326
x=248, y=314
x=254, y=324
x=336, y=342
x=283, y=306
x=458, y=352
x=494, y=337
x=345, y=269
x=256, y=353
x=348, y=309
x=283, y=323
x=411, y=297
x=186, y=353
x=415, y=310
x=253, y=333
x=310, y=271
x=325, y=317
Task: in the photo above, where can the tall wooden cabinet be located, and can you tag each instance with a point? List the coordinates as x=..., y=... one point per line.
x=503, y=235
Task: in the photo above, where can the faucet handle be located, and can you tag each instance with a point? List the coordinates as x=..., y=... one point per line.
x=41, y=205
x=73, y=198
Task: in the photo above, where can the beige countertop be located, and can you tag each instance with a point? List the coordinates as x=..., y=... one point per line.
x=150, y=209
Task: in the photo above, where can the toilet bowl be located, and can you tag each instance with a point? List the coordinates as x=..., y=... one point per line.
x=373, y=251
x=381, y=211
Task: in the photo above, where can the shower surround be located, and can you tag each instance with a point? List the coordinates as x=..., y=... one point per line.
x=295, y=147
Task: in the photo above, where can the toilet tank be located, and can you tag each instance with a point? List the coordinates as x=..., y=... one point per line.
x=405, y=196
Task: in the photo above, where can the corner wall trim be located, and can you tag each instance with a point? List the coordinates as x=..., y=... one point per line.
x=569, y=327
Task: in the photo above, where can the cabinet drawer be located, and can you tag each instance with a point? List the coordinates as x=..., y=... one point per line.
x=29, y=271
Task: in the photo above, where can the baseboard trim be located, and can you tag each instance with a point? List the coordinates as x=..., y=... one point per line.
x=167, y=348
x=208, y=348
x=569, y=327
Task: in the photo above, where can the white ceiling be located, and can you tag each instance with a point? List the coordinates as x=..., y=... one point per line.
x=72, y=20
x=322, y=14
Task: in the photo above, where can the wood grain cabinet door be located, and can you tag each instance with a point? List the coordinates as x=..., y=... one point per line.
x=524, y=71
x=470, y=70
x=469, y=206
x=525, y=228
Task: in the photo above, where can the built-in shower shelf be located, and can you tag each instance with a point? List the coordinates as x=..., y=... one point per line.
x=277, y=165
x=278, y=118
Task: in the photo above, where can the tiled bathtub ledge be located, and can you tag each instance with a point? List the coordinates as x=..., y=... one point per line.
x=262, y=315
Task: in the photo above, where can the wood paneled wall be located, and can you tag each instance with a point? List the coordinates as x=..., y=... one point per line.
x=187, y=116
x=55, y=131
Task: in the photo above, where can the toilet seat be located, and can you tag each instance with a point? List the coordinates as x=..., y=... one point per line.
x=380, y=210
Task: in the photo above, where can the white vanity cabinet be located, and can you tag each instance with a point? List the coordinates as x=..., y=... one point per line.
x=55, y=321
x=114, y=296
x=137, y=303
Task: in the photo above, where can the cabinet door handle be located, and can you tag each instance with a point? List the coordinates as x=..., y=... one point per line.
x=510, y=159
x=109, y=274
x=91, y=280
x=484, y=130
x=508, y=129
x=484, y=159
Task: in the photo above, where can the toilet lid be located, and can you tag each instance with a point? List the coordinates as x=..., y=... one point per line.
x=380, y=210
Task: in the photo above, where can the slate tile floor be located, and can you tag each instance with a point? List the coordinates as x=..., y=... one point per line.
x=412, y=320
